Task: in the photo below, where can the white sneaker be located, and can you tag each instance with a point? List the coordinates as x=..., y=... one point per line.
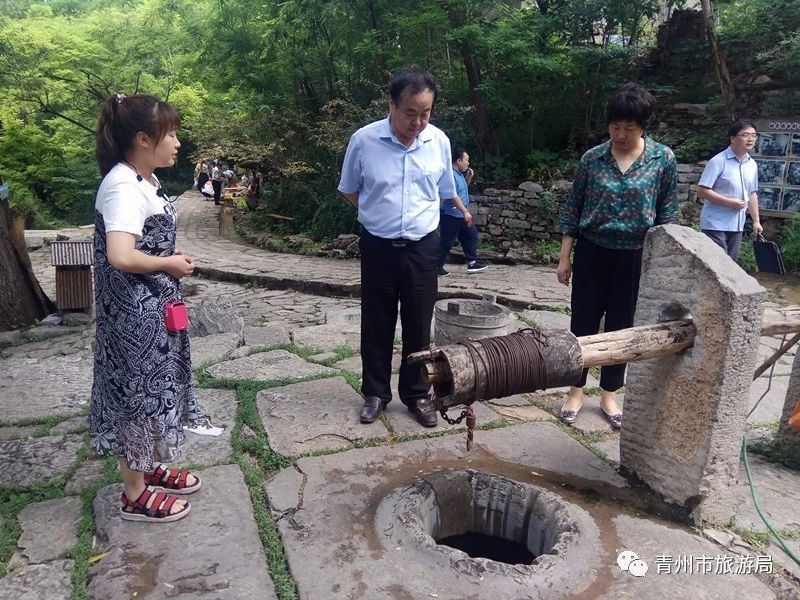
x=204, y=427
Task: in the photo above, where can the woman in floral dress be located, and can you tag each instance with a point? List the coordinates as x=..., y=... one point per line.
x=142, y=394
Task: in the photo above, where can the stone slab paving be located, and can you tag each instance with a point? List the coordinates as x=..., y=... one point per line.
x=49, y=528
x=649, y=540
x=214, y=347
x=770, y=408
x=73, y=425
x=268, y=366
x=522, y=413
x=328, y=510
x=267, y=335
x=17, y=433
x=328, y=337
x=89, y=473
x=215, y=552
x=220, y=406
x=547, y=319
x=50, y=581
x=314, y=415
x=353, y=364
x=38, y=388
x=778, y=493
x=39, y=460
x=610, y=447
x=199, y=237
x=515, y=400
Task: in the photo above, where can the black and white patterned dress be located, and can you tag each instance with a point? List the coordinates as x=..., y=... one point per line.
x=142, y=394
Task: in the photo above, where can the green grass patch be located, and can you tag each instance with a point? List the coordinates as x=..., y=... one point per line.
x=42, y=423
x=785, y=456
x=268, y=532
x=529, y=322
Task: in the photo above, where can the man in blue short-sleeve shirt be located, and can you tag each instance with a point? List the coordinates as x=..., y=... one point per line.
x=729, y=187
x=395, y=171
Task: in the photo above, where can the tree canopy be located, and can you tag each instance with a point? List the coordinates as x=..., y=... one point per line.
x=280, y=85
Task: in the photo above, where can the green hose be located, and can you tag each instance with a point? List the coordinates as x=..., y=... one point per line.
x=782, y=544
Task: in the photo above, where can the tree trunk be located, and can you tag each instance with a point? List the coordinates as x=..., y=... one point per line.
x=480, y=119
x=718, y=58
x=22, y=301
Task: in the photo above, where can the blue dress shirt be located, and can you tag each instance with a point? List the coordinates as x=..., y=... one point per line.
x=463, y=192
x=398, y=187
x=727, y=176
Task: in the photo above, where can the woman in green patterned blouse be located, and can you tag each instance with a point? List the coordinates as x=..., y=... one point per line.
x=622, y=188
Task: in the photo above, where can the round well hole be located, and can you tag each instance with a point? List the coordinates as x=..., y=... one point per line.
x=480, y=545
x=491, y=517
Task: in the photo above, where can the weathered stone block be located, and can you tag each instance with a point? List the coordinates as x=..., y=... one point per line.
x=518, y=224
x=685, y=414
x=49, y=528
x=530, y=186
x=515, y=193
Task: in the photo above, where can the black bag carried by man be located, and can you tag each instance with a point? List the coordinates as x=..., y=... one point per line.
x=768, y=256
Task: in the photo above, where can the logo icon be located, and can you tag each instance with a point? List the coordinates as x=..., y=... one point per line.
x=629, y=561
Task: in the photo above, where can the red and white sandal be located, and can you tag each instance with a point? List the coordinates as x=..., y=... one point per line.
x=172, y=480
x=159, y=511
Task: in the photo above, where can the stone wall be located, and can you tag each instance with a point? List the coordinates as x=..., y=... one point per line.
x=515, y=220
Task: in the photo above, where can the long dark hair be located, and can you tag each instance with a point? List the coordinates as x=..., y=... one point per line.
x=122, y=118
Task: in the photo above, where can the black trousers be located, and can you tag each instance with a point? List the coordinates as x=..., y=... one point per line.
x=455, y=227
x=217, y=185
x=605, y=282
x=392, y=272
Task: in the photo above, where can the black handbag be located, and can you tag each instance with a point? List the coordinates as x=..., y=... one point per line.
x=768, y=256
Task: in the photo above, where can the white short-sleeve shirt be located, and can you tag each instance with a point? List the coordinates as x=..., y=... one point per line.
x=126, y=203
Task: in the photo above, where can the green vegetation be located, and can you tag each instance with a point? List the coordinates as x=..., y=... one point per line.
x=280, y=86
x=790, y=245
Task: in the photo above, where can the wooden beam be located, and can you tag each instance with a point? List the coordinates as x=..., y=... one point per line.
x=636, y=343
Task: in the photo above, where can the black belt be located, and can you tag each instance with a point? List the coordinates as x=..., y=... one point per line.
x=398, y=242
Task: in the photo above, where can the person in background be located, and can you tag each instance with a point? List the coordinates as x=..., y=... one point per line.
x=142, y=394
x=729, y=188
x=217, y=179
x=202, y=176
x=622, y=188
x=456, y=221
x=394, y=172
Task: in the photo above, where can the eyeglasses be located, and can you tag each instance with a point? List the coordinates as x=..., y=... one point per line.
x=748, y=136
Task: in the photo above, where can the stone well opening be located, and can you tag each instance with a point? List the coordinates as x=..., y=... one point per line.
x=491, y=517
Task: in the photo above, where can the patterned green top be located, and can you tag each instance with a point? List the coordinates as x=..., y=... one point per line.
x=615, y=210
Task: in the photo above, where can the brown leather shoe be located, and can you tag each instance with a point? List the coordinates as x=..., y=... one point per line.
x=372, y=408
x=426, y=419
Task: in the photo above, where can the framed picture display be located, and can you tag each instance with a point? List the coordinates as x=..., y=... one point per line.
x=777, y=153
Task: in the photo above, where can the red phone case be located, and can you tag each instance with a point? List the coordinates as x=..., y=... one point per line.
x=176, y=317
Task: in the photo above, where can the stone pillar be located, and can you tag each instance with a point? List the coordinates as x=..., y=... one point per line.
x=787, y=442
x=685, y=413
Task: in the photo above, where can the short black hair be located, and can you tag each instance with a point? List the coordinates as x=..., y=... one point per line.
x=415, y=79
x=737, y=126
x=631, y=102
x=458, y=152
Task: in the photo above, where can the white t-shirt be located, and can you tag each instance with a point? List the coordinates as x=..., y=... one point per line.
x=125, y=202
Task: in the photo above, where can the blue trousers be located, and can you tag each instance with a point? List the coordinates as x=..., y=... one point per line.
x=455, y=227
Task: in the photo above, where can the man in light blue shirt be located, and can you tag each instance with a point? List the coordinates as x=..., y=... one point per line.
x=395, y=171
x=456, y=220
x=729, y=186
